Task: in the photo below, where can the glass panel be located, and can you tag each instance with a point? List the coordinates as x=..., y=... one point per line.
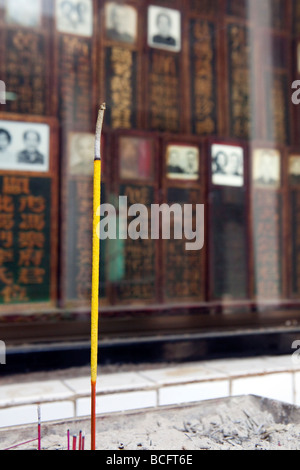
x=202, y=110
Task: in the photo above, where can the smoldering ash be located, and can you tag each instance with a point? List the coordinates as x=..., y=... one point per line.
x=159, y=221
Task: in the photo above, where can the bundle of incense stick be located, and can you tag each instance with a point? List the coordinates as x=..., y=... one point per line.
x=81, y=441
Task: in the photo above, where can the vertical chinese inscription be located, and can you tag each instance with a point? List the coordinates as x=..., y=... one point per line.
x=79, y=241
x=183, y=269
x=25, y=248
x=239, y=60
x=164, y=93
x=76, y=84
x=138, y=282
x=26, y=72
x=121, y=89
x=277, y=107
x=203, y=77
x=267, y=244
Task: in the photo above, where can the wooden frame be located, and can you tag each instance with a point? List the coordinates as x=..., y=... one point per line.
x=233, y=191
x=189, y=185
x=117, y=184
x=281, y=192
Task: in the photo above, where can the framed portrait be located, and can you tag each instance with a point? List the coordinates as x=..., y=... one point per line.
x=81, y=153
x=120, y=22
x=227, y=165
x=182, y=162
x=74, y=17
x=266, y=168
x=294, y=170
x=23, y=13
x=164, y=28
x=136, y=158
x=24, y=146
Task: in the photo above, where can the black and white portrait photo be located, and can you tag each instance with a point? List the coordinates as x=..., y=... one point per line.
x=75, y=17
x=5, y=147
x=164, y=28
x=23, y=13
x=120, y=22
x=266, y=167
x=227, y=165
x=81, y=153
x=182, y=162
x=24, y=146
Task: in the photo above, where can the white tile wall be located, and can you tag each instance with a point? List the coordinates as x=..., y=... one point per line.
x=33, y=393
x=18, y=415
x=239, y=367
x=57, y=410
x=275, y=386
x=117, y=402
x=183, y=374
x=109, y=383
x=270, y=377
x=193, y=392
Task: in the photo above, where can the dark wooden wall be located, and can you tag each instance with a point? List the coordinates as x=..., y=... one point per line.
x=229, y=84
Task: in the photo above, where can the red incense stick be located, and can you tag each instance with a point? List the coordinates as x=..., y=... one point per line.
x=39, y=428
x=74, y=442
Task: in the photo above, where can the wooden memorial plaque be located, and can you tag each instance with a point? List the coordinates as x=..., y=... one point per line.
x=121, y=87
x=267, y=223
x=240, y=80
x=203, y=77
x=294, y=223
x=163, y=69
x=228, y=222
x=25, y=57
x=277, y=107
x=74, y=60
x=28, y=210
x=77, y=226
x=184, y=279
x=132, y=268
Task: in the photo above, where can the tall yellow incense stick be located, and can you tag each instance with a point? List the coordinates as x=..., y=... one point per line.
x=95, y=271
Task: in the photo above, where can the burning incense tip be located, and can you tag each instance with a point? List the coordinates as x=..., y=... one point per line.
x=99, y=131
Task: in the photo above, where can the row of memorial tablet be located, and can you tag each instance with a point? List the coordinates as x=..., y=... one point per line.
x=121, y=21
x=24, y=146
